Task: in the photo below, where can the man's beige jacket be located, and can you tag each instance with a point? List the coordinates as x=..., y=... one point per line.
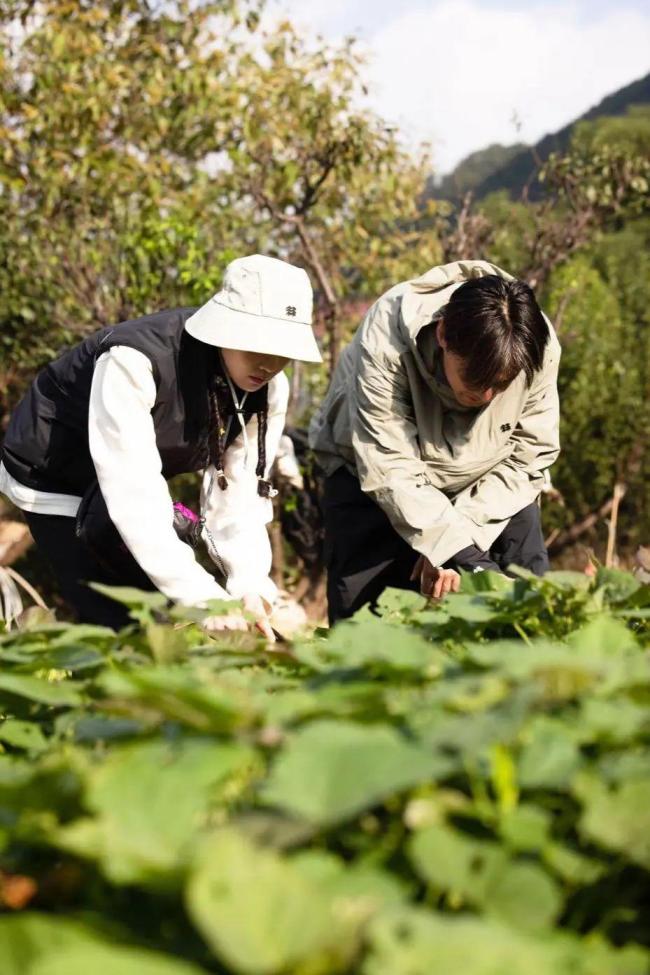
x=446, y=476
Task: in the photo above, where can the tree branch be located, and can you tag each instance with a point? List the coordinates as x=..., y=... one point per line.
x=572, y=534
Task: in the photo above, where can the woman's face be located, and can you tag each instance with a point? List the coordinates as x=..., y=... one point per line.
x=252, y=370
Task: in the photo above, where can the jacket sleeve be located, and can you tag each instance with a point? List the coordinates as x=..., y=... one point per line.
x=389, y=463
x=516, y=482
x=129, y=470
x=235, y=519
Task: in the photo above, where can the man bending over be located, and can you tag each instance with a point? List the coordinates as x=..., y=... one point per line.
x=440, y=421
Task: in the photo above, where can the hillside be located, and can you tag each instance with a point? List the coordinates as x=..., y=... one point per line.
x=476, y=168
x=513, y=167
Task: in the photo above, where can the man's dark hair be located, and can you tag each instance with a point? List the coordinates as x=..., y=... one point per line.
x=497, y=328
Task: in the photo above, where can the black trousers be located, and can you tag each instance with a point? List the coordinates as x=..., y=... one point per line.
x=74, y=566
x=364, y=554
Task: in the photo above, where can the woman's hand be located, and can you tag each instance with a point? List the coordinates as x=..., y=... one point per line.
x=435, y=582
x=259, y=608
x=253, y=604
x=227, y=622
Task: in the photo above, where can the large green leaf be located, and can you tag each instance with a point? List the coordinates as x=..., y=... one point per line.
x=483, y=874
x=619, y=818
x=346, y=699
x=471, y=609
x=361, y=644
x=58, y=694
x=625, y=764
x=74, y=658
x=525, y=827
x=618, y=721
x=356, y=889
x=27, y=939
x=400, y=603
x=330, y=770
x=97, y=728
x=550, y=756
x=150, y=801
x=264, y=913
x=418, y=942
x=618, y=586
x=258, y=913
x=602, y=656
x=603, y=635
x=105, y=959
x=471, y=734
x=499, y=587
x=23, y=734
x=36, y=944
x=193, y=696
x=133, y=598
x=78, y=633
x=572, y=867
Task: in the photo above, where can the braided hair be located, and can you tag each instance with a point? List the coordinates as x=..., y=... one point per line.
x=218, y=432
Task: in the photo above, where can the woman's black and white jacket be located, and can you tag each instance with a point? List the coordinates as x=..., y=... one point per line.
x=129, y=470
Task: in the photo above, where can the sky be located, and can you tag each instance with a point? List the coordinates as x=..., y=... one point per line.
x=461, y=74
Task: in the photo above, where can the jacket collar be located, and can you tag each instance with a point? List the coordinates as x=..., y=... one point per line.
x=428, y=294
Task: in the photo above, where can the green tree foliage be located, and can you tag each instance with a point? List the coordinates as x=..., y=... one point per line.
x=600, y=299
x=147, y=145
x=629, y=132
x=107, y=114
x=585, y=247
x=331, y=187
x=475, y=169
x=510, y=227
x=603, y=389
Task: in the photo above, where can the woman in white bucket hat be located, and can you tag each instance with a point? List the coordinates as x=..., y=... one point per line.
x=91, y=445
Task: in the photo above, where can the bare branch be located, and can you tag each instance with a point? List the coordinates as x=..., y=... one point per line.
x=572, y=534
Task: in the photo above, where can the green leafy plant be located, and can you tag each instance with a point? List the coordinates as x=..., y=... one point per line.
x=463, y=787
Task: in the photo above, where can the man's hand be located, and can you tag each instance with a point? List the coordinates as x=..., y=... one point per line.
x=435, y=582
x=253, y=604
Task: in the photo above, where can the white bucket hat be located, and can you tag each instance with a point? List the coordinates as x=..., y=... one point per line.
x=264, y=305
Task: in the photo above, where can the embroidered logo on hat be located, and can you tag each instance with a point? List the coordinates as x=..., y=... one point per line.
x=291, y=310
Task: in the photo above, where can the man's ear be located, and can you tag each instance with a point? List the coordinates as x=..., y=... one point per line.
x=440, y=333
